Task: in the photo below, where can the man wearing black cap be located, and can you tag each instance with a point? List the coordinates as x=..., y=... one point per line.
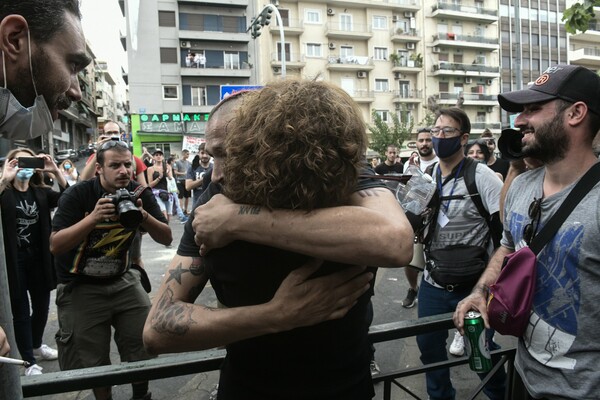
x=558, y=355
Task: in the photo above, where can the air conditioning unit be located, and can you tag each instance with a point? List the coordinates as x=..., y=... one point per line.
x=361, y=74
x=330, y=11
x=489, y=82
x=331, y=46
x=435, y=49
x=276, y=70
x=409, y=14
x=410, y=46
x=468, y=80
x=185, y=44
x=395, y=18
x=396, y=75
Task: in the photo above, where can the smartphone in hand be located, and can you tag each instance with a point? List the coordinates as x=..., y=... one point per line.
x=31, y=162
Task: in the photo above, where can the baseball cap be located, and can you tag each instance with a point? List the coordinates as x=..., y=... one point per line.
x=157, y=150
x=571, y=83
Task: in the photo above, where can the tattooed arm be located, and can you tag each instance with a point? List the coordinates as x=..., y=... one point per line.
x=175, y=324
x=372, y=230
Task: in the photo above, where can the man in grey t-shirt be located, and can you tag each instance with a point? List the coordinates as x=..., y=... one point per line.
x=559, y=354
x=180, y=170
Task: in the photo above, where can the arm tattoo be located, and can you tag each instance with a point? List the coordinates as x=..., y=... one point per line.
x=253, y=210
x=171, y=317
x=196, y=269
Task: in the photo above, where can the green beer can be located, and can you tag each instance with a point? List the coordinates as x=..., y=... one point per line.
x=475, y=343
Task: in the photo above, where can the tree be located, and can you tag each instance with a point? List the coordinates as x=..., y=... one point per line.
x=579, y=15
x=384, y=134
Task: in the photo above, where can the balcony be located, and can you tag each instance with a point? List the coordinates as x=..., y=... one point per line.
x=587, y=56
x=293, y=61
x=239, y=37
x=398, y=35
x=409, y=96
x=455, y=40
x=470, y=99
x=407, y=67
x=394, y=5
x=291, y=27
x=467, y=12
x=445, y=68
x=363, y=96
x=591, y=35
x=350, y=63
x=339, y=30
x=242, y=70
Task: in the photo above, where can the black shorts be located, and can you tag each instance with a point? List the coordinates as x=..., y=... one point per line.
x=182, y=192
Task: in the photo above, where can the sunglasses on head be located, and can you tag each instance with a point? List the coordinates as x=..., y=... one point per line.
x=114, y=143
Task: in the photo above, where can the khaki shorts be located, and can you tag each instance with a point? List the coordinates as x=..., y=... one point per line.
x=86, y=313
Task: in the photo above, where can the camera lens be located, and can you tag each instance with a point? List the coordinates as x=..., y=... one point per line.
x=510, y=144
x=129, y=215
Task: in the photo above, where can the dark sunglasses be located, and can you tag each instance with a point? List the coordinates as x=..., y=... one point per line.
x=490, y=142
x=535, y=214
x=114, y=143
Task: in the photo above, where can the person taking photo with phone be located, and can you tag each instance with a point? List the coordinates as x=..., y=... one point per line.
x=26, y=203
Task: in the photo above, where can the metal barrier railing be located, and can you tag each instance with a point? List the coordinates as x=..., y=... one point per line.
x=210, y=360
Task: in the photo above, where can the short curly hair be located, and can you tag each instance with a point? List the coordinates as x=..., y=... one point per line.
x=294, y=144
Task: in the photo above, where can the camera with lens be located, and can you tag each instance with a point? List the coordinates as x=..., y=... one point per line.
x=510, y=144
x=129, y=215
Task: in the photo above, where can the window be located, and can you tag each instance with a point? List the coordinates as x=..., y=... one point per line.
x=381, y=53
x=199, y=96
x=170, y=92
x=383, y=114
x=313, y=49
x=231, y=60
x=379, y=22
x=168, y=55
x=382, y=85
x=166, y=18
x=288, y=52
x=285, y=17
x=346, y=22
x=346, y=51
x=312, y=16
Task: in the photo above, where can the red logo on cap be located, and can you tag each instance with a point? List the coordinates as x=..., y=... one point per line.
x=542, y=79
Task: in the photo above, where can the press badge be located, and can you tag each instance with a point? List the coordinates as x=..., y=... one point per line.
x=442, y=219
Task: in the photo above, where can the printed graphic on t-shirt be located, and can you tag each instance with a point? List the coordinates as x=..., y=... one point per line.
x=104, y=253
x=27, y=216
x=553, y=323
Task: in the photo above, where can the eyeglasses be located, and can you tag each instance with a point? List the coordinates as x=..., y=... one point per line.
x=535, y=214
x=113, y=143
x=447, y=131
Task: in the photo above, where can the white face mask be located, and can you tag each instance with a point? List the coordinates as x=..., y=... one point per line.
x=18, y=122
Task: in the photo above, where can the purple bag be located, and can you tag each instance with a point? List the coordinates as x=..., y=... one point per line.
x=510, y=298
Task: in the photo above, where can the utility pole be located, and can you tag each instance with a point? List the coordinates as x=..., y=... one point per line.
x=264, y=18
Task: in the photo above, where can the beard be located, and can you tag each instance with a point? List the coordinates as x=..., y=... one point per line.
x=425, y=151
x=551, y=142
x=46, y=86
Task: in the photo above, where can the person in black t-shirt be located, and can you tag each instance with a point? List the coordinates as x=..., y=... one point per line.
x=26, y=203
x=390, y=165
x=312, y=165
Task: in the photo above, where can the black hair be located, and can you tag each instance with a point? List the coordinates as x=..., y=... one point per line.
x=482, y=145
x=458, y=115
x=195, y=162
x=44, y=17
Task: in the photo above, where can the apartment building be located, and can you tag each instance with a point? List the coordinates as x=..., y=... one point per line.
x=584, y=48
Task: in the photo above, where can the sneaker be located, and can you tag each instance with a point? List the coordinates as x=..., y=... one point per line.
x=411, y=298
x=457, y=348
x=147, y=396
x=374, y=368
x=33, y=370
x=45, y=353
x=184, y=220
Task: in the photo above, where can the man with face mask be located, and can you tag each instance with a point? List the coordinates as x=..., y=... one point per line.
x=42, y=49
x=457, y=222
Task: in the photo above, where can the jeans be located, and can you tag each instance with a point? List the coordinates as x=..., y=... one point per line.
x=29, y=325
x=435, y=301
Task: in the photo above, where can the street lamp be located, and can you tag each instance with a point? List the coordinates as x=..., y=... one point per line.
x=264, y=18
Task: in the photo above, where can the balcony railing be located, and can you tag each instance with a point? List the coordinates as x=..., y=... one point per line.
x=466, y=96
x=465, y=8
x=408, y=94
x=465, y=38
x=449, y=66
x=211, y=360
x=356, y=60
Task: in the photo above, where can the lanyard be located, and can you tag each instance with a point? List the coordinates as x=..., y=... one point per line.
x=440, y=184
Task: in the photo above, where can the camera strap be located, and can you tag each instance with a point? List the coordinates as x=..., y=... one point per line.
x=139, y=190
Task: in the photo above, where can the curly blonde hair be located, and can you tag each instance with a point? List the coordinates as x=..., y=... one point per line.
x=294, y=144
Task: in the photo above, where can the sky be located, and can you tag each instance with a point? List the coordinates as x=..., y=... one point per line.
x=103, y=23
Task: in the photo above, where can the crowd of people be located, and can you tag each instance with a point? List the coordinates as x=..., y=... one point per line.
x=289, y=225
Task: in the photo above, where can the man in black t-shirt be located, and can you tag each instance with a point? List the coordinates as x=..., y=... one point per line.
x=269, y=327
x=390, y=166
x=96, y=288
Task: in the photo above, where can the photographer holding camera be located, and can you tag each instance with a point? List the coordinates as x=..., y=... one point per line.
x=93, y=229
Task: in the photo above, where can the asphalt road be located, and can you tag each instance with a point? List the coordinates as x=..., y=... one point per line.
x=390, y=289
